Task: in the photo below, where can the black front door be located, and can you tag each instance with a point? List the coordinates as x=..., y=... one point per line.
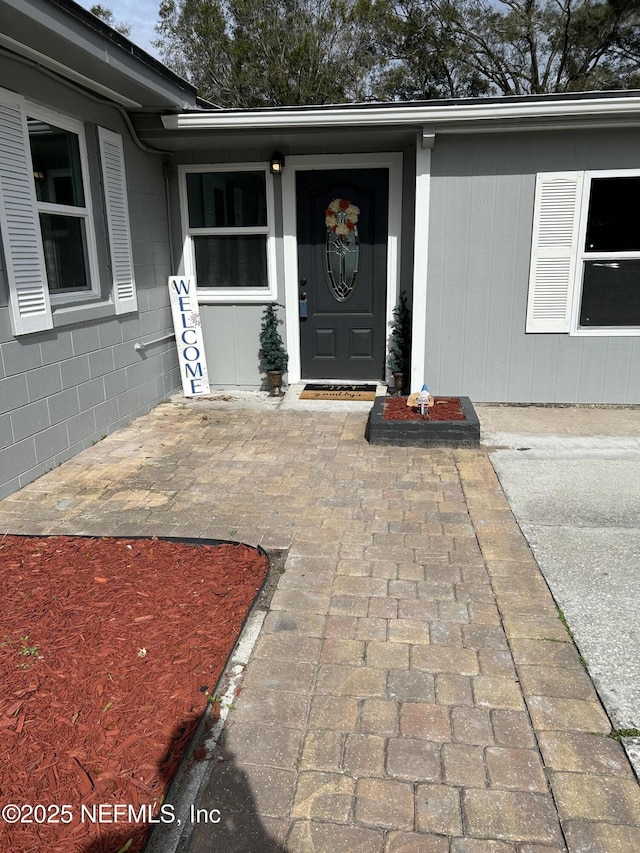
x=342, y=270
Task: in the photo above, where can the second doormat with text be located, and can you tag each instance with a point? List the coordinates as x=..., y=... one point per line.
x=338, y=392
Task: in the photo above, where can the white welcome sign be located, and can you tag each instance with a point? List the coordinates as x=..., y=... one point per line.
x=186, y=322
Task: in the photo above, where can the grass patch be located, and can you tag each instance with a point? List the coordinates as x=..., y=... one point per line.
x=563, y=619
x=618, y=734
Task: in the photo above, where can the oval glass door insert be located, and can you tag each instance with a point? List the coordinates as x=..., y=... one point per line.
x=343, y=250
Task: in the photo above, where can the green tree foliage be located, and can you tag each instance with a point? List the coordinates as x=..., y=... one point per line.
x=244, y=53
x=272, y=352
x=400, y=338
x=107, y=16
x=453, y=48
x=420, y=57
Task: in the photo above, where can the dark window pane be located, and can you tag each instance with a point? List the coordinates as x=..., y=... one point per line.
x=55, y=154
x=226, y=199
x=611, y=294
x=231, y=261
x=614, y=215
x=64, y=252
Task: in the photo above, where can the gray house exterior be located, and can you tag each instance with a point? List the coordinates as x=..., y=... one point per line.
x=489, y=209
x=511, y=224
x=85, y=245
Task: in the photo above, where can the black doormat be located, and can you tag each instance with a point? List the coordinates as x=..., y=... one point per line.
x=338, y=392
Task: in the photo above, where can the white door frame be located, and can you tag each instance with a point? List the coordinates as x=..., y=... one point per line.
x=391, y=161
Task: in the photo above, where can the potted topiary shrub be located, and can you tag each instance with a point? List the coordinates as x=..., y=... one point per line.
x=273, y=354
x=400, y=344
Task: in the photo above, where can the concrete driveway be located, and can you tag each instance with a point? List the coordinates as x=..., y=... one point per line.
x=572, y=479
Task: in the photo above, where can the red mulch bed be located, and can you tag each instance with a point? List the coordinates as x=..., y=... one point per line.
x=109, y=651
x=444, y=409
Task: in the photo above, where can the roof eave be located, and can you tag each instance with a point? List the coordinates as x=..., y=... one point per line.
x=65, y=39
x=458, y=116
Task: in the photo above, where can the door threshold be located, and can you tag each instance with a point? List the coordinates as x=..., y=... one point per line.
x=379, y=383
x=292, y=399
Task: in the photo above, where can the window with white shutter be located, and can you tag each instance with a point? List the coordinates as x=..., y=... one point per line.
x=553, y=252
x=585, y=254
x=30, y=307
x=46, y=217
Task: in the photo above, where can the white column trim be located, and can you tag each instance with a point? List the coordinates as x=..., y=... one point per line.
x=290, y=243
x=391, y=161
x=420, y=265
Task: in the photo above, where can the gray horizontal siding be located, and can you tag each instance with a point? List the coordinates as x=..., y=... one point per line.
x=231, y=343
x=481, y=218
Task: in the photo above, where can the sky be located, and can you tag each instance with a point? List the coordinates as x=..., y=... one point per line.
x=140, y=15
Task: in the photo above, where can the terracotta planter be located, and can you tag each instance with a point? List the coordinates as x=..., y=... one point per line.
x=398, y=382
x=275, y=380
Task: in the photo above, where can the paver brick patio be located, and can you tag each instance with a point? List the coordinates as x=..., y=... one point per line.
x=577, y=752
x=412, y=688
x=464, y=765
x=511, y=815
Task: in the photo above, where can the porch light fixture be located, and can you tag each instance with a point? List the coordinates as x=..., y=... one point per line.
x=276, y=164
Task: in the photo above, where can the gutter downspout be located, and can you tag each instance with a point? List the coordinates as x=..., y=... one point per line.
x=167, y=171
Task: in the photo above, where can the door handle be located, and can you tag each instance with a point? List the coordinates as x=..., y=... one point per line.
x=304, y=306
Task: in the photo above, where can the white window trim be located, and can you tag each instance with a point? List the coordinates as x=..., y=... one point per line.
x=582, y=255
x=85, y=213
x=215, y=295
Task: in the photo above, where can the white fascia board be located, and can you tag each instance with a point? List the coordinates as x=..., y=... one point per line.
x=598, y=109
x=68, y=73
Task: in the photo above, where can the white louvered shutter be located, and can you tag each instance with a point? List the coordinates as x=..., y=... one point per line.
x=20, y=224
x=115, y=195
x=553, y=251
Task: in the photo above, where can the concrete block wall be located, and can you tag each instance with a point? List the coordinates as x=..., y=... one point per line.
x=63, y=390
x=69, y=388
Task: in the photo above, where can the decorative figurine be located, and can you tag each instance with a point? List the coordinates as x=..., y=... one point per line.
x=421, y=399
